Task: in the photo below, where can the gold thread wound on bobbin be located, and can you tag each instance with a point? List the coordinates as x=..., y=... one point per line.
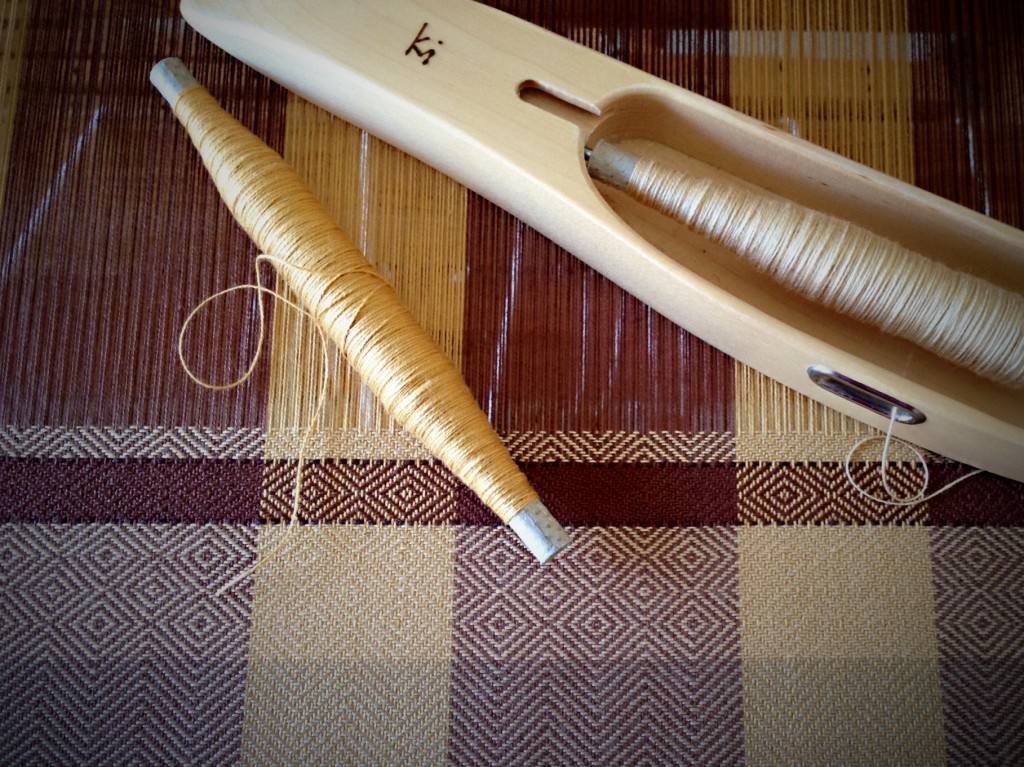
x=358, y=310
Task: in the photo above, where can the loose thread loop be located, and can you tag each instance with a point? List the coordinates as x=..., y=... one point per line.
x=262, y=291
x=894, y=499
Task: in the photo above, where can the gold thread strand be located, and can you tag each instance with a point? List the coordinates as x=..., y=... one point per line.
x=321, y=398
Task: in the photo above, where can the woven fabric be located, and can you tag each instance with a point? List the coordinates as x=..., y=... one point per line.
x=727, y=600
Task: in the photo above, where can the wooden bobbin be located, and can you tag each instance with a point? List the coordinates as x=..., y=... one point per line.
x=358, y=310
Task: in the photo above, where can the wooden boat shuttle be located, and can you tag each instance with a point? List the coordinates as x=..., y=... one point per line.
x=507, y=109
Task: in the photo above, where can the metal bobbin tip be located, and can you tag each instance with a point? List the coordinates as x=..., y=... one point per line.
x=172, y=78
x=539, y=531
x=609, y=163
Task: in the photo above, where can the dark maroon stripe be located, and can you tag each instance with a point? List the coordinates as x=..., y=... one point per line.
x=80, y=490
x=820, y=493
x=382, y=492
x=968, y=77
x=985, y=499
x=112, y=230
x=615, y=495
x=99, y=490
x=551, y=345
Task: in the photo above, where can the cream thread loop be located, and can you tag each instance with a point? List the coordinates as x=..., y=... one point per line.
x=261, y=292
x=893, y=498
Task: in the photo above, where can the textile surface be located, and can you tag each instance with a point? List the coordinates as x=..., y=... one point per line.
x=728, y=599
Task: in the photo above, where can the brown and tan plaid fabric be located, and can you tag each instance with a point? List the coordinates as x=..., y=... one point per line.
x=728, y=599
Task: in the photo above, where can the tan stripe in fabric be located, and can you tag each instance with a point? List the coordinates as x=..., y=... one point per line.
x=621, y=447
x=373, y=689
x=524, y=446
x=838, y=75
x=410, y=221
x=775, y=424
x=352, y=444
x=119, y=443
x=839, y=646
x=350, y=648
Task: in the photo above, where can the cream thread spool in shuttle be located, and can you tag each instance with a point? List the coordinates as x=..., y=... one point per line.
x=960, y=317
